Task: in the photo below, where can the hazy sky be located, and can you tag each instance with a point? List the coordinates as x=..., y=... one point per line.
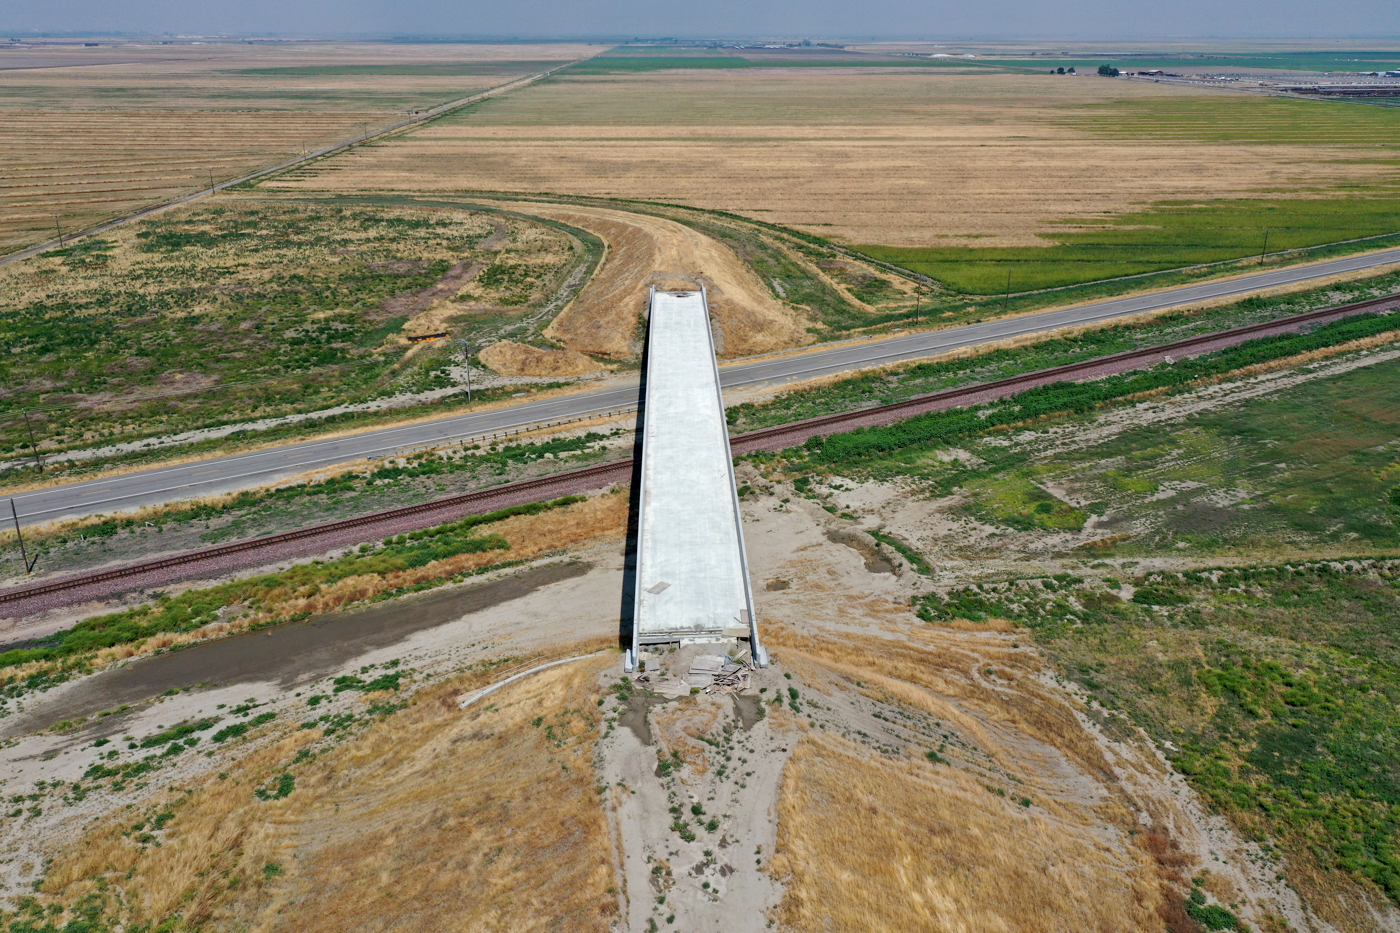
x=886, y=18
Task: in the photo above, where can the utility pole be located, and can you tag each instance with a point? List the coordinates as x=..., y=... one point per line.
x=211, y=181
x=18, y=534
x=33, y=445
x=467, y=351
x=1005, y=301
x=58, y=226
x=1265, y=251
x=918, y=294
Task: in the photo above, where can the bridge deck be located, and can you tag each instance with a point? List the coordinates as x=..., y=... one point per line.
x=692, y=572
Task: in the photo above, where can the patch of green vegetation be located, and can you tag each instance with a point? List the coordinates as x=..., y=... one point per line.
x=178, y=732
x=389, y=681
x=237, y=729
x=1169, y=235
x=66, y=650
x=283, y=788
x=1272, y=688
x=1016, y=501
x=91, y=913
x=222, y=315
x=629, y=64
x=915, y=559
x=914, y=435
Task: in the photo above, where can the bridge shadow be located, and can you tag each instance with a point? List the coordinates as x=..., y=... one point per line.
x=627, y=610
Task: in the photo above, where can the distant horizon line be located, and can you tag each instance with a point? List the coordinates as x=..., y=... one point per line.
x=634, y=39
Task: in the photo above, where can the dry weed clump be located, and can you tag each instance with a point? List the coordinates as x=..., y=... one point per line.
x=418, y=823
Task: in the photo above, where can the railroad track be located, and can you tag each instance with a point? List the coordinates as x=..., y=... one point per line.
x=788, y=435
x=324, y=537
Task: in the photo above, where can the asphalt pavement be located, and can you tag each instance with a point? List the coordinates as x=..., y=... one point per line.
x=241, y=471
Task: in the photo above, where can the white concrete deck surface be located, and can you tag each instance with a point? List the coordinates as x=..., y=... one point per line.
x=692, y=572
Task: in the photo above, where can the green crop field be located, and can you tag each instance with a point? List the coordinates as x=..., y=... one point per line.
x=1319, y=61
x=1243, y=120
x=1167, y=236
x=1175, y=234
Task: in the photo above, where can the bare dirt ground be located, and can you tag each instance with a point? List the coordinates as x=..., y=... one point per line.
x=645, y=252
x=900, y=159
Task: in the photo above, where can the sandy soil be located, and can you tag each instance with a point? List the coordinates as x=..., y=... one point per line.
x=645, y=251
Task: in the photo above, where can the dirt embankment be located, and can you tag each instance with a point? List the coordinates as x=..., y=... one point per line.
x=516, y=359
x=645, y=251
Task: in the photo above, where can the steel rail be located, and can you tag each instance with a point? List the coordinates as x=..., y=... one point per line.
x=777, y=437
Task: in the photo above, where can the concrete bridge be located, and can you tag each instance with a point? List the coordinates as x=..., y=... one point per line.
x=692, y=572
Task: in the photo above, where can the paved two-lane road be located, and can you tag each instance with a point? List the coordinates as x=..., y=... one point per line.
x=241, y=471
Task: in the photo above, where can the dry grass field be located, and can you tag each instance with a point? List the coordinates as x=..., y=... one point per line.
x=91, y=133
x=881, y=841
x=868, y=155
x=417, y=824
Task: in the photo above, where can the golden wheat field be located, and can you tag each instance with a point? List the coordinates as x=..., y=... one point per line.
x=88, y=134
x=863, y=155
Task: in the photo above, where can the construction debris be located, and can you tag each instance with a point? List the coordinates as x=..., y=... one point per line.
x=717, y=672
